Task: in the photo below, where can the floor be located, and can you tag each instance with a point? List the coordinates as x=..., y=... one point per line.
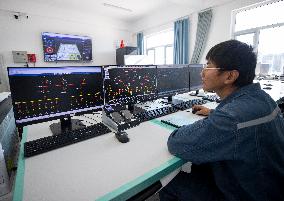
x=154, y=197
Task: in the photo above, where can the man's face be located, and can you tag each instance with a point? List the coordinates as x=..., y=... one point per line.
x=212, y=78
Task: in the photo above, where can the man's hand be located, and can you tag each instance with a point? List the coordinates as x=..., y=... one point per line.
x=200, y=110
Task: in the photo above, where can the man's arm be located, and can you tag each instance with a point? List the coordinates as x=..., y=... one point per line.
x=208, y=140
x=201, y=110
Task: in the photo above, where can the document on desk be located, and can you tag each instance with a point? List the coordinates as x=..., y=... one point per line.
x=185, y=117
x=180, y=120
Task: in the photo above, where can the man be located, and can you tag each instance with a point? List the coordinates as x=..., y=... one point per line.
x=237, y=152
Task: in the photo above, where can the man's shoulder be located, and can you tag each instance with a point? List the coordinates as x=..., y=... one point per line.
x=249, y=106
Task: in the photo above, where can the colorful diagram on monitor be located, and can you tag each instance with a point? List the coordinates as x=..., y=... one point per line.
x=68, y=52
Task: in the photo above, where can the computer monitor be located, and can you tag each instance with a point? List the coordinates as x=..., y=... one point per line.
x=129, y=84
x=171, y=80
x=195, y=77
x=45, y=93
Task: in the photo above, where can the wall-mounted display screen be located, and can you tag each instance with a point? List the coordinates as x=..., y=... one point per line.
x=64, y=47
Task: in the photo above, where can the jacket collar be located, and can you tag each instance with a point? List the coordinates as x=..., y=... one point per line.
x=241, y=91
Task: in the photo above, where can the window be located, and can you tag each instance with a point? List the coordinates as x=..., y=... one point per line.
x=247, y=38
x=262, y=27
x=159, y=47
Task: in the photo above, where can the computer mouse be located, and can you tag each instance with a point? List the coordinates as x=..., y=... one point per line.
x=122, y=137
x=194, y=110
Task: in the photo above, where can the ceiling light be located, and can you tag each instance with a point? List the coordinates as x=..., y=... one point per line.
x=117, y=7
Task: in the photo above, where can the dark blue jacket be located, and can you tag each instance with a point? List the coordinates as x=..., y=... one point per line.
x=242, y=144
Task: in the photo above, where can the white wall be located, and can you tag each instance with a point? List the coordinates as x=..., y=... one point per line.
x=163, y=19
x=219, y=30
x=25, y=34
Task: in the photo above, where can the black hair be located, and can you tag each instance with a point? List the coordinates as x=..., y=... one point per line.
x=234, y=55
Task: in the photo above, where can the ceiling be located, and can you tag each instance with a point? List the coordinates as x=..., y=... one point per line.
x=127, y=10
x=132, y=10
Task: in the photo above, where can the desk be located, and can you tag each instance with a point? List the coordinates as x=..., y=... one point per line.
x=277, y=88
x=100, y=168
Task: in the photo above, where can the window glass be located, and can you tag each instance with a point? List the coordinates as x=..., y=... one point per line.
x=246, y=38
x=260, y=16
x=151, y=56
x=160, y=39
x=159, y=47
x=271, y=50
x=263, y=28
x=159, y=55
x=169, y=55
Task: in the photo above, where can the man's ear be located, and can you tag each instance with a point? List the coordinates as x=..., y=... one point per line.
x=232, y=76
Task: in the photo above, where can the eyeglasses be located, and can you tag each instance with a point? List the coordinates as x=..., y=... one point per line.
x=205, y=67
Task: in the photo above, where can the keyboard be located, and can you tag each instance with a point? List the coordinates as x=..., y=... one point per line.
x=212, y=98
x=188, y=104
x=152, y=114
x=49, y=143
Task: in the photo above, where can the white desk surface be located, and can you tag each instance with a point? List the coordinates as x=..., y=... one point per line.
x=101, y=168
x=93, y=168
x=277, y=88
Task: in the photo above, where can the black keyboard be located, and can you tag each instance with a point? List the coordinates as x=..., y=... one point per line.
x=188, y=104
x=49, y=143
x=152, y=114
x=212, y=98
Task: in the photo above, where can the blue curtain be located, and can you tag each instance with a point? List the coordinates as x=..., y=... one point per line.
x=140, y=43
x=181, y=41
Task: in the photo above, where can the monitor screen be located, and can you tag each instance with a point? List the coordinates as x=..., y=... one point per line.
x=172, y=79
x=44, y=93
x=195, y=76
x=63, y=47
x=129, y=84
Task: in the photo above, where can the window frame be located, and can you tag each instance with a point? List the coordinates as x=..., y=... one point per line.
x=146, y=49
x=256, y=30
x=235, y=12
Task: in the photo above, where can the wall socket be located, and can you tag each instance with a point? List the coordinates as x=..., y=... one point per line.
x=20, y=56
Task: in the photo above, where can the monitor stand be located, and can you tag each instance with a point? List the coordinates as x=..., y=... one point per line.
x=130, y=107
x=66, y=124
